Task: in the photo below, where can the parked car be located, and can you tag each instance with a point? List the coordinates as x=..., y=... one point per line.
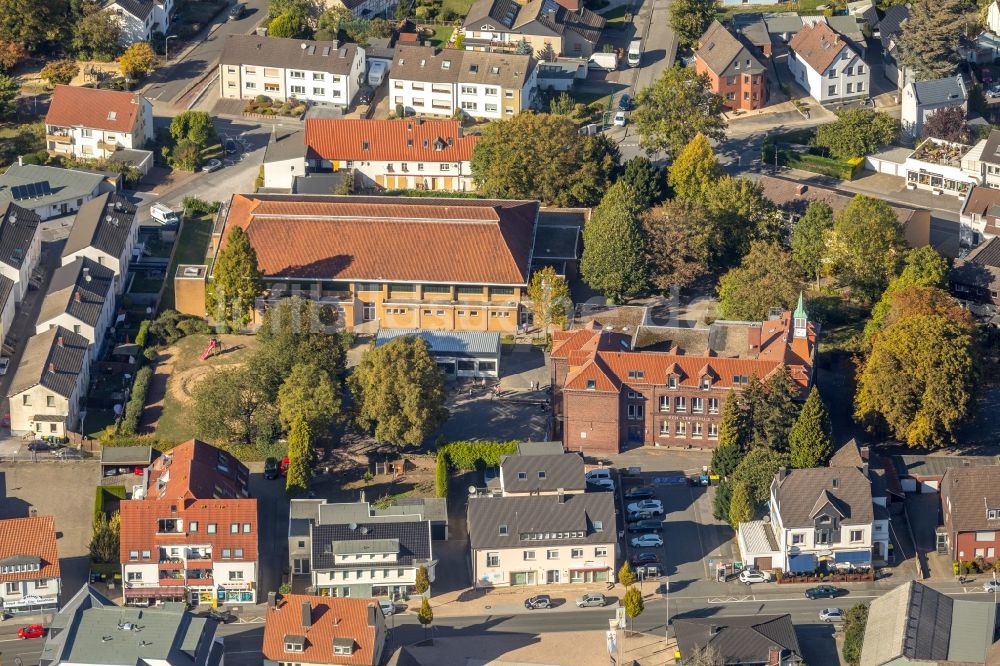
x=824, y=592
x=646, y=525
x=365, y=95
x=211, y=165
x=653, y=506
x=993, y=92
x=636, y=516
x=31, y=631
x=644, y=559
x=831, y=615
x=38, y=446
x=601, y=473
x=283, y=466
x=388, y=608
x=991, y=586
x=164, y=215
x=601, y=484
x=591, y=599
x=238, y=10
x=620, y=120
x=625, y=103
x=749, y=577
x=4, y=364
x=271, y=468
x=538, y=601
x=220, y=616
x=647, y=541
x=639, y=493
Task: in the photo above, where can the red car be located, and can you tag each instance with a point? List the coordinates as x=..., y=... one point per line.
x=645, y=558
x=283, y=467
x=31, y=631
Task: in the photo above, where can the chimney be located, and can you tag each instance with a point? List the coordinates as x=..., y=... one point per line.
x=307, y=614
x=562, y=496
x=774, y=655
x=76, y=297
x=20, y=161
x=59, y=341
x=272, y=599
x=371, y=615
x=52, y=368
x=782, y=472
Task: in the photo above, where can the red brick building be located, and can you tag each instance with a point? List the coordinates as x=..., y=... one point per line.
x=732, y=67
x=609, y=397
x=970, y=507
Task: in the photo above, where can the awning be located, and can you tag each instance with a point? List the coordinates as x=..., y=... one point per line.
x=802, y=563
x=854, y=556
x=154, y=592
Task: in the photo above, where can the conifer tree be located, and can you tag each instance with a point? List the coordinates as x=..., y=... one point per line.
x=810, y=441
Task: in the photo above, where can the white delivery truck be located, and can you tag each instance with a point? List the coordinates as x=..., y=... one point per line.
x=635, y=53
x=164, y=214
x=607, y=61
x=376, y=73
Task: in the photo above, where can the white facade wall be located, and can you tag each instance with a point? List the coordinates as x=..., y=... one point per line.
x=134, y=29
x=93, y=333
x=21, y=277
x=44, y=591
x=282, y=174
x=432, y=99
x=475, y=99
x=416, y=173
x=993, y=18
x=42, y=401
x=7, y=311
x=119, y=265
x=846, y=78
x=482, y=101
x=545, y=562
x=247, y=81
x=141, y=575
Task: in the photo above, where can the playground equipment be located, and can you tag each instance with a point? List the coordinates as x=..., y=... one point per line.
x=214, y=347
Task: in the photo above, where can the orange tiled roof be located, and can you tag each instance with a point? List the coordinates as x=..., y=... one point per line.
x=470, y=241
x=590, y=338
x=388, y=140
x=92, y=107
x=197, y=470
x=331, y=618
x=34, y=536
x=818, y=45
x=139, y=526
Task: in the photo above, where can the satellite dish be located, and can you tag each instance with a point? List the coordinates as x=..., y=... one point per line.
x=472, y=490
x=353, y=526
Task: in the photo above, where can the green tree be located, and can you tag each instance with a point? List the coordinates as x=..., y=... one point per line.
x=757, y=470
x=810, y=441
x=767, y=278
x=230, y=405
x=399, y=391
x=690, y=19
x=330, y=22
x=562, y=104
x=734, y=434
x=680, y=235
x=720, y=503
x=105, y=542
x=308, y=393
x=929, y=41
x=300, y=457
x=422, y=583
x=855, y=623
x=550, y=298
x=195, y=126
x=34, y=23
x=865, y=246
x=741, y=506
x=379, y=28
x=308, y=11
x=547, y=54
x=725, y=459
x=645, y=179
x=929, y=301
x=857, y=132
x=742, y=214
x=97, y=32
x=678, y=106
x=694, y=171
x=138, y=61
x=60, y=72
x=781, y=409
x=523, y=47
x=632, y=603
x=426, y=614
x=10, y=89
x=299, y=330
x=922, y=267
x=237, y=281
x=626, y=576
x=542, y=156
x=186, y=155
x=287, y=25
x=918, y=380
x=809, y=237
x=613, y=259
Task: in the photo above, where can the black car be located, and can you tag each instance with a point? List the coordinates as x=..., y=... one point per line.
x=238, y=10
x=824, y=592
x=625, y=103
x=38, y=446
x=636, y=516
x=271, y=468
x=647, y=525
x=538, y=601
x=223, y=617
x=640, y=493
x=366, y=95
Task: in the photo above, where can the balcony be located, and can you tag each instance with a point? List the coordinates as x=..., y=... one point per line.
x=199, y=555
x=172, y=574
x=104, y=145
x=59, y=138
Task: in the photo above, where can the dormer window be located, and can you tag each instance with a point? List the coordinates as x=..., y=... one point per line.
x=522, y=476
x=672, y=382
x=706, y=383
x=294, y=643
x=636, y=374
x=993, y=514
x=343, y=646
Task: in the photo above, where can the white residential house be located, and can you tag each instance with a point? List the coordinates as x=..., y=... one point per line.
x=91, y=123
x=817, y=518
x=52, y=191
x=22, y=245
x=50, y=384
x=141, y=19
x=429, y=81
x=30, y=578
x=81, y=298
x=105, y=231
x=922, y=99
x=941, y=167
x=979, y=218
x=365, y=9
x=826, y=65
x=315, y=72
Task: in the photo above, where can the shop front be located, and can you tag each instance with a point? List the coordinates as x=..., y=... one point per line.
x=30, y=604
x=591, y=572
x=148, y=596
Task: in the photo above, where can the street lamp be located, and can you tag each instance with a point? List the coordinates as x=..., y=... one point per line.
x=166, y=46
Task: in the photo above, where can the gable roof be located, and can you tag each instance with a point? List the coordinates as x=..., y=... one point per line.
x=848, y=455
x=981, y=267
x=137, y=8
x=739, y=639
x=18, y=227
x=892, y=23
x=991, y=150
x=472, y=241
x=33, y=538
x=491, y=12
x=949, y=91
x=34, y=185
x=285, y=145
x=54, y=359
x=543, y=473
x=532, y=514
x=318, y=56
x=818, y=45
x=331, y=620
x=81, y=289
x=433, y=65
x=198, y=470
x=985, y=202
x=970, y=492
x=95, y=108
x=802, y=493
x=408, y=139
x=718, y=48
x=411, y=541
x=554, y=18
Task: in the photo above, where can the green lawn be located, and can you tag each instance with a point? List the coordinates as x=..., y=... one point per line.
x=192, y=246
x=591, y=96
x=615, y=14
x=98, y=420
x=802, y=7
x=460, y=7
x=442, y=33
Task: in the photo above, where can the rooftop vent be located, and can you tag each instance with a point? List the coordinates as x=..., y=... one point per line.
x=302, y=46
x=112, y=115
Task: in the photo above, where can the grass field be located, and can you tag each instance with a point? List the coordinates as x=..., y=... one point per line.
x=591, y=96
x=615, y=14
x=802, y=7
x=192, y=246
x=442, y=33
x=460, y=7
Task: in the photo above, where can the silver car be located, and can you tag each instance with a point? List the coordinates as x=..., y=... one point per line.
x=591, y=599
x=831, y=615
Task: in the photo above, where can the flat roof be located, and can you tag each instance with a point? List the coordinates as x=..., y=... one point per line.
x=468, y=343
x=126, y=455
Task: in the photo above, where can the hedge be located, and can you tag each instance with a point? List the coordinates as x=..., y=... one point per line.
x=441, y=473
x=133, y=410
x=468, y=456
x=140, y=337
x=115, y=491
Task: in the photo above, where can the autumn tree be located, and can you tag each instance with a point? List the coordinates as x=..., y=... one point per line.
x=300, y=457
x=97, y=32
x=645, y=179
x=308, y=393
x=706, y=655
x=626, y=576
x=675, y=108
x=694, y=171
x=690, y=19
x=809, y=237
x=12, y=54
x=947, y=124
x=614, y=260
x=922, y=267
x=928, y=44
x=288, y=25
x=422, y=582
x=60, y=72
x=742, y=215
x=137, y=61
x=857, y=132
x=918, y=380
x=741, y=507
x=34, y=23
x=550, y=298
x=679, y=241
x=865, y=246
x=929, y=301
x=399, y=391
x=767, y=278
x=105, y=542
x=810, y=441
x=632, y=603
x=237, y=281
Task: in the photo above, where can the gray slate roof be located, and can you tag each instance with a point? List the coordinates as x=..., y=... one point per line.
x=80, y=288
x=545, y=473
x=718, y=48
x=260, y=51
x=892, y=23
x=414, y=540
x=451, y=343
x=740, y=639
x=138, y=8
x=536, y=17
x=285, y=145
x=539, y=448
x=104, y=223
x=33, y=185
x=936, y=465
x=971, y=491
x=534, y=514
x=404, y=509
x=991, y=151
x=949, y=91
x=53, y=365
x=431, y=65
x=803, y=492
x=318, y=183
x=18, y=227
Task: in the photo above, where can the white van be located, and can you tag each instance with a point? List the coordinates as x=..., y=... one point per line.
x=595, y=474
x=164, y=214
x=376, y=73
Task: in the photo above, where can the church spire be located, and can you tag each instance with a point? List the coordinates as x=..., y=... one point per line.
x=801, y=319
